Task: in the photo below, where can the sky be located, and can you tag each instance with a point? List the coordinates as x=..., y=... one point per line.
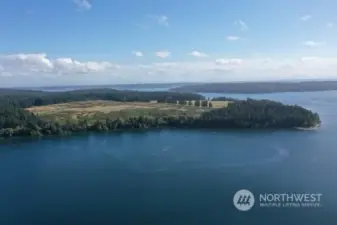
x=81, y=42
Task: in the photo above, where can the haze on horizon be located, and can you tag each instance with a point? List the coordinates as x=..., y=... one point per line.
x=84, y=42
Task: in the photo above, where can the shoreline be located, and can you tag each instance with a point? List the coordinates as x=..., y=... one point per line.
x=309, y=128
x=149, y=129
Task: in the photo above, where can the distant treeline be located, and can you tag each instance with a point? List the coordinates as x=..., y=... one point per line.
x=197, y=103
x=15, y=121
x=258, y=87
x=224, y=99
x=25, y=98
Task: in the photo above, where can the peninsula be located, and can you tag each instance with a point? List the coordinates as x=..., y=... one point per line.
x=37, y=113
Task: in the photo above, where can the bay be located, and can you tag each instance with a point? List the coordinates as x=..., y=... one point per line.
x=173, y=176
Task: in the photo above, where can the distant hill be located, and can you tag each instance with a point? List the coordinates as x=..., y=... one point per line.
x=140, y=86
x=258, y=87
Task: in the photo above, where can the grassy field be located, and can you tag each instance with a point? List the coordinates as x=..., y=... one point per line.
x=93, y=110
x=220, y=104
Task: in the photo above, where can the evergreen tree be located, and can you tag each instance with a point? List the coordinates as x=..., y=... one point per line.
x=204, y=103
x=197, y=103
x=182, y=102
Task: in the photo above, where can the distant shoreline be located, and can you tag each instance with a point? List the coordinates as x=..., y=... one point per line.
x=258, y=87
x=223, y=88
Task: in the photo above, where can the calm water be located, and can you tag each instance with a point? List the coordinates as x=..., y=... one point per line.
x=172, y=177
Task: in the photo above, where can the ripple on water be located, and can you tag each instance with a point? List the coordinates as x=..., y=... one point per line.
x=170, y=159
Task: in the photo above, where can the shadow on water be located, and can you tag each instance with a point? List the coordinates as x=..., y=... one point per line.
x=145, y=131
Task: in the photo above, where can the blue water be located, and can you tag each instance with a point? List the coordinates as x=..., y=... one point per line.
x=173, y=176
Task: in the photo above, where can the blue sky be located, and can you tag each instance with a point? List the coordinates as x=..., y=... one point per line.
x=100, y=41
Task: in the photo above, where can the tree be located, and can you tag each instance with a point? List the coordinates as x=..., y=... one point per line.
x=190, y=103
x=172, y=101
x=204, y=103
x=182, y=102
x=197, y=103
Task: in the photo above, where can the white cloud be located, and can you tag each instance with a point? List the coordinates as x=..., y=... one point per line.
x=138, y=53
x=163, y=54
x=68, y=66
x=160, y=19
x=305, y=17
x=39, y=69
x=234, y=62
x=82, y=4
x=27, y=62
x=313, y=43
x=247, y=69
x=243, y=26
x=233, y=38
x=309, y=59
x=330, y=25
x=198, y=54
x=163, y=20
x=23, y=64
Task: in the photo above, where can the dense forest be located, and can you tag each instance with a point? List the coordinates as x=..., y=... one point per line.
x=26, y=98
x=258, y=87
x=15, y=121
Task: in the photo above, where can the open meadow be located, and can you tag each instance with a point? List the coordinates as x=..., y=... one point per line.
x=93, y=110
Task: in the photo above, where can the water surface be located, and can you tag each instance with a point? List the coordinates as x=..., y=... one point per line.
x=172, y=176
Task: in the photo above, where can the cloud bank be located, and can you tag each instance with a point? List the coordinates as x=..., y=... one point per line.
x=39, y=69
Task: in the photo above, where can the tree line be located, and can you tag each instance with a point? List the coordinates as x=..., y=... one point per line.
x=26, y=98
x=196, y=103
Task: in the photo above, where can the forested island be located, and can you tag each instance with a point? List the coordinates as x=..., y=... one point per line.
x=37, y=113
x=258, y=87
